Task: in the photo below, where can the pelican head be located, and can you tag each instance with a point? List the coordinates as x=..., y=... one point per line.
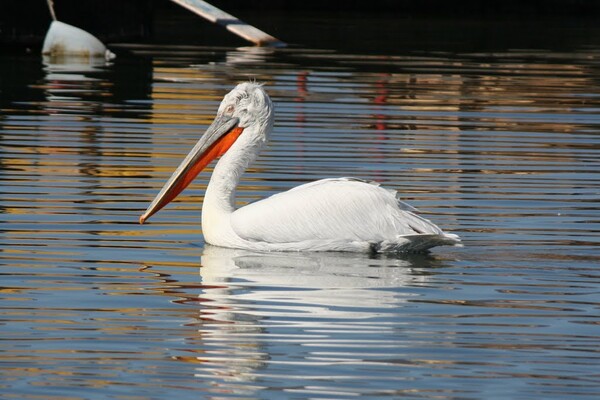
x=244, y=118
x=251, y=104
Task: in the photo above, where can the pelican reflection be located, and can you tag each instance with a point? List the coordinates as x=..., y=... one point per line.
x=285, y=308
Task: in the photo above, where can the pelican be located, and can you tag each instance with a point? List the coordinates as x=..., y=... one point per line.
x=339, y=214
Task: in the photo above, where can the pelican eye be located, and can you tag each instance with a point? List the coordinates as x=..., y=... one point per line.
x=229, y=109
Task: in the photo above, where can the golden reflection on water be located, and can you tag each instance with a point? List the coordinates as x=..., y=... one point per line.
x=499, y=148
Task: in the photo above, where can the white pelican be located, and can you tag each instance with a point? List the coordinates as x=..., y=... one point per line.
x=340, y=214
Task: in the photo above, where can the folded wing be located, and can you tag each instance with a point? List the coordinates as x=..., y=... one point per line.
x=343, y=208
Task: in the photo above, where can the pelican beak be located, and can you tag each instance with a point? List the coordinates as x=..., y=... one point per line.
x=217, y=139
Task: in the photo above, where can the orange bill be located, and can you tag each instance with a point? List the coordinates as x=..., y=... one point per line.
x=217, y=139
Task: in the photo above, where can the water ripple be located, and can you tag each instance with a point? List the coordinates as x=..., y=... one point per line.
x=500, y=148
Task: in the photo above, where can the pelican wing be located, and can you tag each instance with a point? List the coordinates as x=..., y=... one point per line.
x=343, y=208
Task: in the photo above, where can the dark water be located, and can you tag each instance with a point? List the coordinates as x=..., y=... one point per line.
x=500, y=147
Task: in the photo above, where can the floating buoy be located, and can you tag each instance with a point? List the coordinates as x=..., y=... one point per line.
x=68, y=40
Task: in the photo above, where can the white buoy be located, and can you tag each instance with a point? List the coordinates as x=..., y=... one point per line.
x=68, y=40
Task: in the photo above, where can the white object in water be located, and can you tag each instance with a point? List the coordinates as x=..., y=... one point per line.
x=65, y=39
x=231, y=23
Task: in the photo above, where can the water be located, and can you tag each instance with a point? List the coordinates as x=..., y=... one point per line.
x=501, y=148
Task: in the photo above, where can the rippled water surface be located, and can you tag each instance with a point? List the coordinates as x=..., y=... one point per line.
x=501, y=148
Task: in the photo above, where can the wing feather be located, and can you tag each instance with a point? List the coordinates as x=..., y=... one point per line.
x=341, y=208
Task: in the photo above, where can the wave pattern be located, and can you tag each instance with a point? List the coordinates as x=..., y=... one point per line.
x=501, y=148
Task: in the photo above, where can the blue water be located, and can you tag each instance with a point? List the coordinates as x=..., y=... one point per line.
x=501, y=148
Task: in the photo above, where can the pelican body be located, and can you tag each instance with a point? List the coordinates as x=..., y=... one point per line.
x=339, y=214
